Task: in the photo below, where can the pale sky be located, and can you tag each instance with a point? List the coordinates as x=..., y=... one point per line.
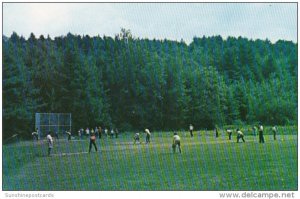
x=173, y=21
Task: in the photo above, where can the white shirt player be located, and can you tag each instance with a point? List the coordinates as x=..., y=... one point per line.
x=147, y=131
x=240, y=133
x=87, y=131
x=191, y=127
x=176, y=138
x=50, y=141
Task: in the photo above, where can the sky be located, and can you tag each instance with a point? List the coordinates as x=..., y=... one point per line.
x=174, y=21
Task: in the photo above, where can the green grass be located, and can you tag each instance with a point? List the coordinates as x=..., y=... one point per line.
x=207, y=163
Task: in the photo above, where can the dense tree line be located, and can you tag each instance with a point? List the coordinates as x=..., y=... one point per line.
x=132, y=83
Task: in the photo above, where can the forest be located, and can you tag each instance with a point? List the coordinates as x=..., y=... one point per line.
x=132, y=83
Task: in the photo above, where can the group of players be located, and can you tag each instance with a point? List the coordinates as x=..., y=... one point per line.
x=98, y=132
x=260, y=129
x=175, y=142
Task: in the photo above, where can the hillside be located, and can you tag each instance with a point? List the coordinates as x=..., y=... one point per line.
x=133, y=83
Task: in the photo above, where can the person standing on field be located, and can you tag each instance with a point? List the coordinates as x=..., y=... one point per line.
x=106, y=132
x=274, y=129
x=176, y=142
x=81, y=133
x=217, y=132
x=50, y=143
x=136, y=138
x=69, y=135
x=100, y=132
x=148, y=135
x=35, y=134
x=261, y=133
x=112, y=133
x=92, y=141
x=229, y=132
x=87, y=132
x=240, y=135
x=117, y=133
x=191, y=130
x=96, y=131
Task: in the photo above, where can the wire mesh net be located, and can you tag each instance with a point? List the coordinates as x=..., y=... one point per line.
x=54, y=122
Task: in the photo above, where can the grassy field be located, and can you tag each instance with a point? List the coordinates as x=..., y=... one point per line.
x=207, y=163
